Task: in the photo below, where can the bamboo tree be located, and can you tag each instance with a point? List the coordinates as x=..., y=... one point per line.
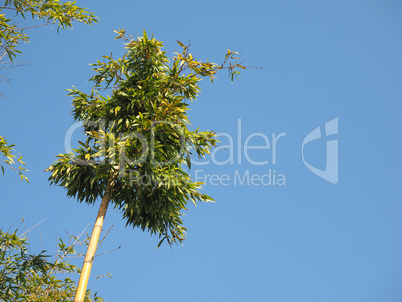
x=137, y=140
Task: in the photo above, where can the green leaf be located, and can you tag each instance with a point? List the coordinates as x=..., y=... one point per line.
x=188, y=160
x=160, y=242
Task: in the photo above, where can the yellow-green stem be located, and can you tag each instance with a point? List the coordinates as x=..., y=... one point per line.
x=93, y=244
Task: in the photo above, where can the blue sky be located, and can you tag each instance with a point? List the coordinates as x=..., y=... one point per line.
x=305, y=240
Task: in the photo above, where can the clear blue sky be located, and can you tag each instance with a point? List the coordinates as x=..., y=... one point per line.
x=306, y=240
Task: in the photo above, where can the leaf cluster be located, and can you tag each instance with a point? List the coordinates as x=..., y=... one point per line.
x=49, y=11
x=138, y=137
x=36, y=278
x=62, y=14
x=9, y=158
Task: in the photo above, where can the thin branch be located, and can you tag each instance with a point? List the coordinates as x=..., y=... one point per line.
x=5, y=7
x=33, y=26
x=12, y=65
x=109, y=251
x=41, y=241
x=70, y=247
x=3, y=55
x=32, y=228
x=254, y=67
x=100, y=243
x=22, y=220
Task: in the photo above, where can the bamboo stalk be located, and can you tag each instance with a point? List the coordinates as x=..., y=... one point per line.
x=93, y=243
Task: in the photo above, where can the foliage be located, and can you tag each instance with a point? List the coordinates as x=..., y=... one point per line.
x=137, y=139
x=50, y=11
x=55, y=12
x=36, y=278
x=7, y=151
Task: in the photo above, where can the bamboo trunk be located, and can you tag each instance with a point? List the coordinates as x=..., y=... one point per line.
x=93, y=244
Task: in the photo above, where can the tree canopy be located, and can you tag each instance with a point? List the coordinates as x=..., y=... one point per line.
x=138, y=139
